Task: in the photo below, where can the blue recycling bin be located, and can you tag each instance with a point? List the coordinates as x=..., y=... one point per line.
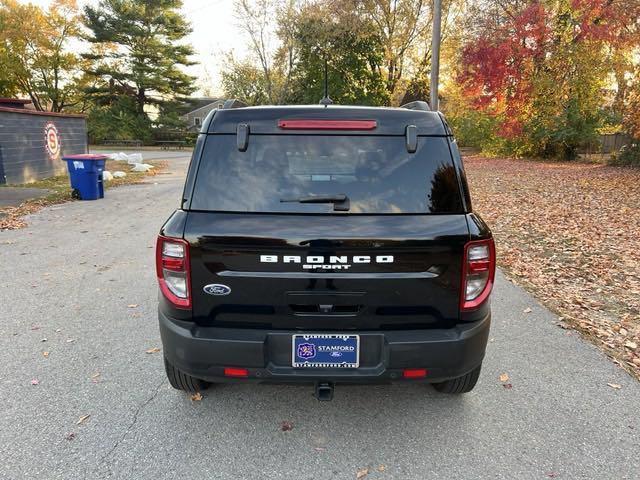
x=85, y=174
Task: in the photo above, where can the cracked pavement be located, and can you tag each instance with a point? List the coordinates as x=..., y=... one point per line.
x=79, y=283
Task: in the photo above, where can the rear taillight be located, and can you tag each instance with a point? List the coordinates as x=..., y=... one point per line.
x=478, y=272
x=172, y=268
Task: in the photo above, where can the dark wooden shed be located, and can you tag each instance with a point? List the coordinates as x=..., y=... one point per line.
x=32, y=143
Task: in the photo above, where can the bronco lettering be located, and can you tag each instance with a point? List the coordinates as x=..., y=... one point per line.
x=320, y=259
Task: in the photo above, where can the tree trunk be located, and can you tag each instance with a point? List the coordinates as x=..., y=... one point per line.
x=141, y=100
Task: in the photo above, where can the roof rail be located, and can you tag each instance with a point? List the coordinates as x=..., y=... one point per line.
x=233, y=103
x=417, y=105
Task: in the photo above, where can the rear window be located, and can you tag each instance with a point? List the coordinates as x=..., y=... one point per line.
x=375, y=173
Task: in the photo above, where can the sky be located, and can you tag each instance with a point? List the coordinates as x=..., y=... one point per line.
x=215, y=32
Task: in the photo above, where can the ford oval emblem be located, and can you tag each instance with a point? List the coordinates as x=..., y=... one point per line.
x=217, y=289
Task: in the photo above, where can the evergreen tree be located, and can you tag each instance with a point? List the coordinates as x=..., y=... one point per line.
x=139, y=51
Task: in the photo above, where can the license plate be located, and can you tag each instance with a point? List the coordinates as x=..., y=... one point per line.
x=326, y=351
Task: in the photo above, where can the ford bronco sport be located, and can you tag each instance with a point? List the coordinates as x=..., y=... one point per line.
x=326, y=245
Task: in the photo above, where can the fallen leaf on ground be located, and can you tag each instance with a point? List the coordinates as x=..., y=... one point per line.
x=35, y=381
x=133, y=305
x=588, y=271
x=363, y=472
x=504, y=377
x=382, y=468
x=508, y=386
x=286, y=426
x=70, y=436
x=631, y=345
x=153, y=350
x=83, y=419
x=527, y=310
x=196, y=397
x=615, y=386
x=45, y=354
x=71, y=340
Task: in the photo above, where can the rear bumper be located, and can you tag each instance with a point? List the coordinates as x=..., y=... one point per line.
x=203, y=352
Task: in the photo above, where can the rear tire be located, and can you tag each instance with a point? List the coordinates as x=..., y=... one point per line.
x=181, y=381
x=462, y=384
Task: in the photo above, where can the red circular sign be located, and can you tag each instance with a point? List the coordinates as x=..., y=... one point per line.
x=51, y=140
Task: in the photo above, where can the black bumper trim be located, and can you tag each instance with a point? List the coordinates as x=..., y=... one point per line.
x=203, y=352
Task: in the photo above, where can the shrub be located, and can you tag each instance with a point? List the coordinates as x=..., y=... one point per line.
x=118, y=121
x=628, y=155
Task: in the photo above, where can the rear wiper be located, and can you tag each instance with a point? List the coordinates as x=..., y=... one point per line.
x=340, y=201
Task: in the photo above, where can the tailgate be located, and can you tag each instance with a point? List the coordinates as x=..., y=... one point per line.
x=326, y=272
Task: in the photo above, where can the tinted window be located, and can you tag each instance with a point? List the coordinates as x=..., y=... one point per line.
x=376, y=173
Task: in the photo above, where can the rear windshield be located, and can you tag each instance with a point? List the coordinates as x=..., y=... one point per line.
x=352, y=174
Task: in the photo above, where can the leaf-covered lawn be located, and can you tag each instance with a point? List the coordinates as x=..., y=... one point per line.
x=569, y=233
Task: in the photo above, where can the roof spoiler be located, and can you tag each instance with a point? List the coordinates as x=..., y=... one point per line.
x=417, y=105
x=233, y=103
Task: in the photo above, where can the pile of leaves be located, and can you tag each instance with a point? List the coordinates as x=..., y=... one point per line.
x=569, y=233
x=12, y=218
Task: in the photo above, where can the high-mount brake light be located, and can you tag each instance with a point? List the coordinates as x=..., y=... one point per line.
x=172, y=269
x=478, y=273
x=327, y=124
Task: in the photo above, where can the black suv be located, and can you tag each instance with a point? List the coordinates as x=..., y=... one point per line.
x=325, y=244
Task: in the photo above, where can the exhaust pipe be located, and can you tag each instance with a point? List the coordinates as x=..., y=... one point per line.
x=324, y=391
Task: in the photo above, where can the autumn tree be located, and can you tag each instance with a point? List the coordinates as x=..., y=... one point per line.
x=624, y=54
x=540, y=68
x=245, y=81
x=288, y=43
x=266, y=24
x=399, y=25
x=352, y=49
x=264, y=76
x=36, y=57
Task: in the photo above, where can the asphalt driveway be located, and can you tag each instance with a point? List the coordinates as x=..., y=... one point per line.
x=79, y=284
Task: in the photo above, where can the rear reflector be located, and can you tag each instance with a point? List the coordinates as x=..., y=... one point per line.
x=414, y=373
x=236, y=372
x=327, y=124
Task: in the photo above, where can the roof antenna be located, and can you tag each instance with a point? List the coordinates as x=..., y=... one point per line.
x=326, y=100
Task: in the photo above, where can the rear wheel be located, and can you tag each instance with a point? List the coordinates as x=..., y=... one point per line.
x=462, y=384
x=181, y=381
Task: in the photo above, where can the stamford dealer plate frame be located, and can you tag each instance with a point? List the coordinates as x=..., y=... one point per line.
x=325, y=351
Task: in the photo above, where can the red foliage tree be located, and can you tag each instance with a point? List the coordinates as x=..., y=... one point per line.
x=535, y=54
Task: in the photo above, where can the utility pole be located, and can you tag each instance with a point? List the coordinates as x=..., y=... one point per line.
x=435, y=53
